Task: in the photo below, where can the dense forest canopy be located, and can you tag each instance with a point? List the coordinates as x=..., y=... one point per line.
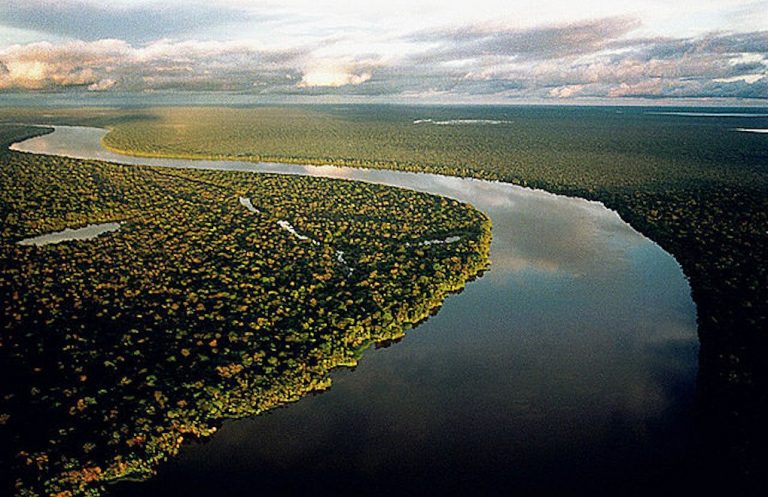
x=200, y=307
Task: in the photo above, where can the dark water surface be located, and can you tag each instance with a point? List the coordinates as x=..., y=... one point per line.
x=569, y=368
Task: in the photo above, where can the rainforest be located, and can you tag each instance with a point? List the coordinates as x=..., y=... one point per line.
x=199, y=308
x=421, y=248
x=223, y=291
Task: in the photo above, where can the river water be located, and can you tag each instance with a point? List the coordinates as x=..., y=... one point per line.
x=568, y=368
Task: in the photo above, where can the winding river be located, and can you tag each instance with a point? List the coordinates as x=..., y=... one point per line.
x=568, y=368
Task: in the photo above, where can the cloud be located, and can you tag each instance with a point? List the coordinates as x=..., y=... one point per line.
x=102, y=85
x=84, y=20
x=115, y=64
x=333, y=74
x=607, y=63
x=533, y=43
x=592, y=59
x=711, y=43
x=747, y=78
x=333, y=78
x=43, y=65
x=567, y=91
x=649, y=88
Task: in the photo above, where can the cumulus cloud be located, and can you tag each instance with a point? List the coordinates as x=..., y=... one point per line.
x=598, y=59
x=566, y=91
x=333, y=74
x=44, y=65
x=102, y=85
x=106, y=64
x=603, y=58
x=325, y=77
x=647, y=88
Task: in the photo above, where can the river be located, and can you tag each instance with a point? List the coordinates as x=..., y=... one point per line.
x=568, y=368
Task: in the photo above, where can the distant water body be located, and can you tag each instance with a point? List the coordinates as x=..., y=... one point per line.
x=749, y=130
x=568, y=369
x=709, y=114
x=79, y=98
x=68, y=235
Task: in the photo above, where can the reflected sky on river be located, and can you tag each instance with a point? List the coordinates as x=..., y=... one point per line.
x=85, y=233
x=569, y=230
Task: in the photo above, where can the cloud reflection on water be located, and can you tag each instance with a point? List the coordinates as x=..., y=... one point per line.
x=534, y=230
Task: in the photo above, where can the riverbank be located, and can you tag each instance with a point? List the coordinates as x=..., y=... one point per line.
x=117, y=348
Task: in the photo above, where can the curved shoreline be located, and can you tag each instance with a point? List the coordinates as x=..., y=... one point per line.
x=451, y=184
x=319, y=163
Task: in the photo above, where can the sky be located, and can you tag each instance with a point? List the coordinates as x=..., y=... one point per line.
x=392, y=50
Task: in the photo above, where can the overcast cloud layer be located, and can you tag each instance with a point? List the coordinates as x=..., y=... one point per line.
x=497, y=51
